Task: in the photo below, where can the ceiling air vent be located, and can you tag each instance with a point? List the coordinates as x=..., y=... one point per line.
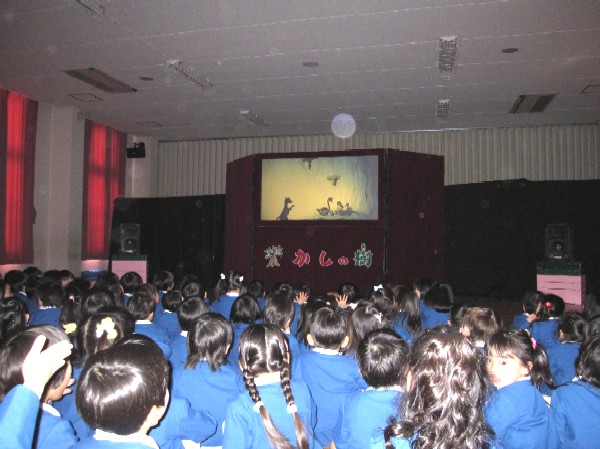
x=531, y=103
x=101, y=80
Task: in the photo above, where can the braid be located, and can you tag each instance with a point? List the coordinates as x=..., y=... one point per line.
x=250, y=385
x=284, y=373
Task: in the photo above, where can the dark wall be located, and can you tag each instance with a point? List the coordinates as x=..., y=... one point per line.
x=495, y=232
x=179, y=234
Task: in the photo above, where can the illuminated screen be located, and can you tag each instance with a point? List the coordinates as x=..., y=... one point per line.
x=320, y=188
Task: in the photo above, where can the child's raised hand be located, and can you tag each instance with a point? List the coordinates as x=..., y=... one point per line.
x=342, y=301
x=39, y=366
x=302, y=298
x=531, y=317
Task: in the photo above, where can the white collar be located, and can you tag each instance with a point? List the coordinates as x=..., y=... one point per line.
x=47, y=307
x=232, y=294
x=392, y=388
x=479, y=344
x=143, y=322
x=168, y=311
x=184, y=334
x=267, y=378
x=146, y=440
x=48, y=408
x=326, y=351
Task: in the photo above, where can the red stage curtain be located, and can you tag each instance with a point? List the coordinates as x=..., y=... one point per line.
x=104, y=180
x=18, y=124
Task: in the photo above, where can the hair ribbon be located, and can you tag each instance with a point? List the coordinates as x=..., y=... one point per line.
x=256, y=407
x=292, y=408
x=241, y=278
x=378, y=288
x=106, y=325
x=533, y=343
x=70, y=328
x=548, y=304
x=223, y=276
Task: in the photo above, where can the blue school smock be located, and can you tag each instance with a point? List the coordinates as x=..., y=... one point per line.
x=170, y=323
x=53, y=431
x=562, y=359
x=400, y=329
x=244, y=428
x=234, y=351
x=223, y=304
x=159, y=309
x=544, y=332
x=294, y=323
x=208, y=391
x=431, y=318
x=520, y=321
x=576, y=408
x=179, y=350
x=362, y=414
x=294, y=347
x=107, y=440
x=68, y=409
x=182, y=422
x=18, y=415
x=330, y=378
x=406, y=443
x=520, y=417
x=156, y=333
x=31, y=304
x=46, y=315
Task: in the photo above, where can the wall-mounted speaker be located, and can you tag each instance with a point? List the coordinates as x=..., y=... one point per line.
x=137, y=151
x=130, y=238
x=559, y=242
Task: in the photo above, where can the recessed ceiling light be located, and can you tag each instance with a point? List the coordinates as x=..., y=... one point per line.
x=146, y=78
x=510, y=50
x=310, y=64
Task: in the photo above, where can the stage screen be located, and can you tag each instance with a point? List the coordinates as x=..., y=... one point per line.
x=320, y=188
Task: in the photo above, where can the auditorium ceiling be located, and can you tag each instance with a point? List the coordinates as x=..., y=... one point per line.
x=199, y=69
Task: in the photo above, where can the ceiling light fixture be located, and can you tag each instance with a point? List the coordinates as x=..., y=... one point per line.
x=90, y=6
x=100, y=80
x=175, y=66
x=253, y=118
x=442, y=109
x=447, y=55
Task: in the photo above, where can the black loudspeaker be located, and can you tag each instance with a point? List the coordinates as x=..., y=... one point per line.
x=137, y=151
x=559, y=242
x=130, y=238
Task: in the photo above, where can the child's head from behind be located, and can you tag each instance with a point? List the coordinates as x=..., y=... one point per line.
x=571, y=327
x=328, y=330
x=512, y=355
x=124, y=389
x=279, y=310
x=532, y=302
x=209, y=338
x=363, y=320
x=480, y=323
x=164, y=280
x=141, y=306
x=130, y=281
x=382, y=357
x=13, y=317
x=588, y=362
x=244, y=309
x=12, y=356
x=553, y=306
x=440, y=297
x=50, y=295
x=172, y=300
x=103, y=330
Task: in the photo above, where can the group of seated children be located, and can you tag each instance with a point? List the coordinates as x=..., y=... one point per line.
x=154, y=366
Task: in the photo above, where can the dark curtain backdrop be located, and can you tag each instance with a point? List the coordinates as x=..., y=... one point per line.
x=180, y=234
x=495, y=232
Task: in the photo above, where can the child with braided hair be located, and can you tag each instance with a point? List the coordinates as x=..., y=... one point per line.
x=269, y=415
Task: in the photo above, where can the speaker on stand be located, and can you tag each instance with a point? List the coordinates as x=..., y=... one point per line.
x=130, y=238
x=559, y=242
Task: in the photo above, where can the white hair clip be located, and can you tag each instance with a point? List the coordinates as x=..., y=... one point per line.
x=378, y=287
x=256, y=407
x=106, y=325
x=379, y=317
x=241, y=278
x=292, y=408
x=223, y=276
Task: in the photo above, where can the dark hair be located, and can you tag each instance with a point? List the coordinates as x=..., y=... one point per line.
x=440, y=298
x=591, y=306
x=147, y=289
x=164, y=280
x=113, y=288
x=12, y=317
x=481, y=322
x=283, y=288
x=264, y=349
x=257, y=289
x=33, y=272
x=70, y=312
x=364, y=319
x=383, y=297
x=446, y=398
x=15, y=350
x=94, y=301
x=588, y=362
x=572, y=325
x=141, y=306
x=301, y=287
x=172, y=300
x=106, y=278
x=31, y=286
x=308, y=310
x=409, y=305
x=423, y=285
x=50, y=295
x=130, y=281
x=592, y=327
x=532, y=301
x=382, y=357
x=189, y=311
x=328, y=328
x=102, y=331
x=119, y=386
x=350, y=290
x=457, y=314
x=192, y=288
x=233, y=280
x=244, y=309
x=552, y=306
x=279, y=310
x=16, y=279
x=209, y=339
x=518, y=343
